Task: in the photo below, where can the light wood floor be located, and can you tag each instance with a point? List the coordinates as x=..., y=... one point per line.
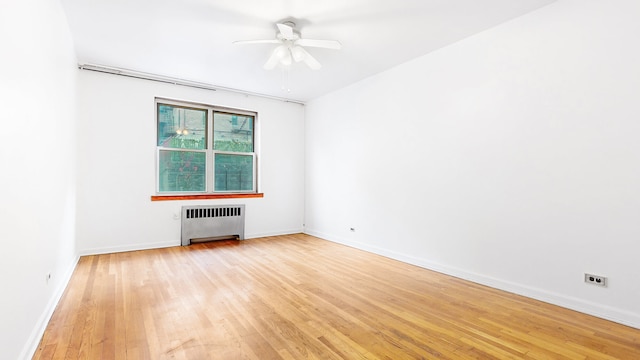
x=299, y=297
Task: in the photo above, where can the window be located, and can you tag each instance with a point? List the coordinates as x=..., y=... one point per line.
x=204, y=149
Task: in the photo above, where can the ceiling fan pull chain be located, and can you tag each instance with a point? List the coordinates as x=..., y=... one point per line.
x=285, y=78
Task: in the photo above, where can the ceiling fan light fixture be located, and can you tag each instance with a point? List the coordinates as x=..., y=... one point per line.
x=286, y=60
x=281, y=52
x=298, y=53
x=278, y=56
x=291, y=47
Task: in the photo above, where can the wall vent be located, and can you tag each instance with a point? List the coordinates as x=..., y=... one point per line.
x=211, y=222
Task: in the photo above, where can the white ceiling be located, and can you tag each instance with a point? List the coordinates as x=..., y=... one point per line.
x=192, y=39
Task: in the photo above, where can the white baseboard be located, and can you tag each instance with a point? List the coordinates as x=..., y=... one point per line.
x=132, y=247
x=274, y=233
x=31, y=346
x=580, y=305
x=177, y=242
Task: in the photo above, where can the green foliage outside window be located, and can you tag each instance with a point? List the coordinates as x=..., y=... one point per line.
x=182, y=171
x=232, y=132
x=233, y=172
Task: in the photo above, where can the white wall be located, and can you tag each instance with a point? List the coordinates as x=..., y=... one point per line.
x=510, y=158
x=37, y=176
x=116, y=168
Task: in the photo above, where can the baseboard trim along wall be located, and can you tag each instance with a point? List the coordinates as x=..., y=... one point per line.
x=36, y=335
x=177, y=242
x=590, y=308
x=132, y=247
x=273, y=233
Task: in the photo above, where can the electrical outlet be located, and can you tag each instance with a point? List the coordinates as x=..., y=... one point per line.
x=595, y=280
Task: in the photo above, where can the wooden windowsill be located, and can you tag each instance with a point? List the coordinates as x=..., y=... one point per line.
x=205, y=196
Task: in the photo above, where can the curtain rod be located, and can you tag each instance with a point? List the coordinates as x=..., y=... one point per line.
x=175, y=81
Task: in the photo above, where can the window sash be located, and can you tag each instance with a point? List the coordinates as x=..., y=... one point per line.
x=254, y=167
x=219, y=141
x=209, y=152
x=187, y=140
x=181, y=173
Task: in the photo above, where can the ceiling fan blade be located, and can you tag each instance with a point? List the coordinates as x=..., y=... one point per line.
x=310, y=60
x=312, y=63
x=272, y=41
x=326, y=44
x=286, y=31
x=275, y=57
x=300, y=54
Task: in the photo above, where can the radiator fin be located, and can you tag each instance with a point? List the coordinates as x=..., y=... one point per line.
x=213, y=212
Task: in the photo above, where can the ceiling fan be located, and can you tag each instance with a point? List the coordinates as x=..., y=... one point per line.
x=291, y=47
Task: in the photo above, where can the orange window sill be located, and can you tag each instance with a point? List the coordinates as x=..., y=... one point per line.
x=205, y=196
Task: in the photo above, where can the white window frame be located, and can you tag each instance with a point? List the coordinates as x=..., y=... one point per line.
x=209, y=151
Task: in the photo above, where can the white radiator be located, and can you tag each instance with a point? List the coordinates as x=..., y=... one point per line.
x=210, y=222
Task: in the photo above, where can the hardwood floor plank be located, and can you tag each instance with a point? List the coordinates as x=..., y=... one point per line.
x=299, y=297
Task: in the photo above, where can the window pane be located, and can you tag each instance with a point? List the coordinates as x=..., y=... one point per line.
x=232, y=132
x=233, y=172
x=182, y=171
x=182, y=128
